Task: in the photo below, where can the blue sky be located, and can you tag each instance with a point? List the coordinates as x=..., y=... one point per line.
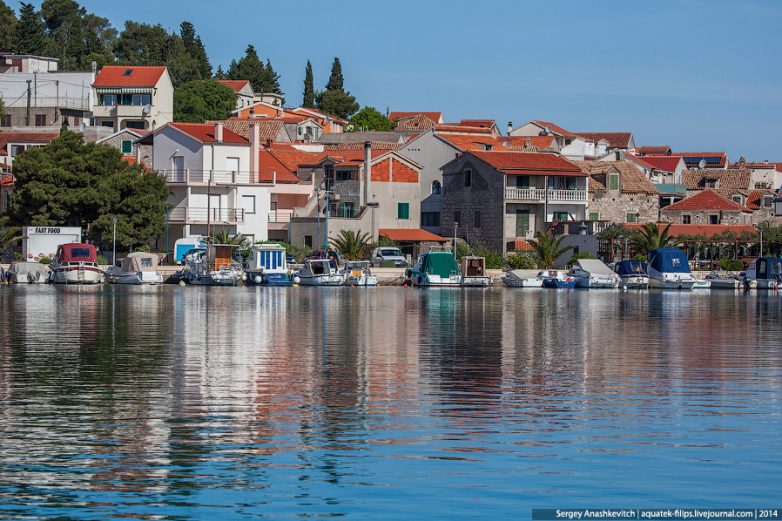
x=697, y=75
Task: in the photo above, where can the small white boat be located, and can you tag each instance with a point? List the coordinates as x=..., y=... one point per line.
x=474, y=272
x=632, y=274
x=358, y=273
x=213, y=266
x=764, y=273
x=76, y=263
x=668, y=269
x=320, y=272
x=137, y=268
x=723, y=280
x=27, y=273
x=593, y=273
x=702, y=284
x=268, y=266
x=522, y=279
x=435, y=269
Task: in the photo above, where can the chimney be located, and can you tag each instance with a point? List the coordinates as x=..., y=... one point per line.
x=252, y=113
x=367, y=170
x=510, y=127
x=219, y=131
x=255, y=152
x=94, y=67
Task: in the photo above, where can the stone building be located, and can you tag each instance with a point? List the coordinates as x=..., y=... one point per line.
x=706, y=207
x=125, y=141
x=619, y=192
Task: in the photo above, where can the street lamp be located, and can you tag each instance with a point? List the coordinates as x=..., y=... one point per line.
x=114, y=244
x=455, y=227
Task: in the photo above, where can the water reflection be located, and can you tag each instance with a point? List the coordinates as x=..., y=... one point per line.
x=182, y=402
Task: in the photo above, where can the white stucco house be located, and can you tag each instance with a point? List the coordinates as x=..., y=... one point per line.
x=133, y=96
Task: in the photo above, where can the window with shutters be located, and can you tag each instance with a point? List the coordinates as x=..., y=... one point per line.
x=127, y=146
x=632, y=217
x=594, y=216
x=402, y=210
x=613, y=181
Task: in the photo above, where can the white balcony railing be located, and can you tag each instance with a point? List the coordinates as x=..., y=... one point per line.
x=188, y=176
x=540, y=195
x=201, y=215
x=280, y=216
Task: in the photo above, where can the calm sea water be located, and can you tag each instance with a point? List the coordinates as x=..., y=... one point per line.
x=388, y=403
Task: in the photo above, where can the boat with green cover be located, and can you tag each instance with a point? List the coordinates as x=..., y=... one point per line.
x=435, y=268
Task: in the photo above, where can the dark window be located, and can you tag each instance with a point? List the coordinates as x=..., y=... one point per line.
x=457, y=217
x=686, y=219
x=476, y=219
x=344, y=175
x=5, y=121
x=40, y=120
x=127, y=72
x=108, y=100
x=106, y=124
x=468, y=177
x=134, y=124
x=430, y=218
x=632, y=217
x=522, y=181
x=127, y=146
x=436, y=187
x=714, y=219
x=308, y=241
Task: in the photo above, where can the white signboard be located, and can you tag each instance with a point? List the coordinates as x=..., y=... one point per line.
x=42, y=241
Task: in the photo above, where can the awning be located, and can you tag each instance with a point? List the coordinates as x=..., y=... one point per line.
x=124, y=90
x=410, y=235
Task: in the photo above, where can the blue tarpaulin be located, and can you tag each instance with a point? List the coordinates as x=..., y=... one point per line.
x=630, y=267
x=669, y=260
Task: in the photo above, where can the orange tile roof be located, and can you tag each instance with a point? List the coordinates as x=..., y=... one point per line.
x=271, y=167
x=293, y=158
x=382, y=172
x=485, y=123
x=435, y=117
x=204, y=132
x=417, y=122
x=7, y=180
x=410, y=235
x=614, y=139
x=664, y=163
x=707, y=200
x=12, y=136
x=522, y=245
x=464, y=129
x=235, y=85
x=268, y=128
x=467, y=142
x=376, y=145
x=554, y=128
x=736, y=179
x=703, y=230
x=657, y=150
x=139, y=76
x=529, y=163
x=631, y=178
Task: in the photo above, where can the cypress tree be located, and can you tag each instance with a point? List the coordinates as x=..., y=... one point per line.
x=336, y=81
x=195, y=47
x=309, y=87
x=271, y=79
x=29, y=37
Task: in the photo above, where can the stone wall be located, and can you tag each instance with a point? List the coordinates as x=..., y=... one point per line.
x=702, y=216
x=614, y=206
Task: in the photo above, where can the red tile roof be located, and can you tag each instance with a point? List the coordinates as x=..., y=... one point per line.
x=754, y=166
x=7, y=180
x=463, y=129
x=554, y=128
x=235, y=85
x=415, y=123
x=268, y=128
x=117, y=76
x=204, y=132
x=522, y=245
x=695, y=157
x=271, y=166
x=614, y=139
x=293, y=158
x=484, y=123
x=657, y=150
x=707, y=200
x=664, y=163
x=704, y=230
x=529, y=163
x=467, y=142
x=398, y=172
x=410, y=235
x=11, y=136
x=435, y=117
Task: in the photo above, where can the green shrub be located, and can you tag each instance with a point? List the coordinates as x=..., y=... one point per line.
x=17, y=256
x=45, y=260
x=494, y=261
x=640, y=257
x=522, y=261
x=731, y=264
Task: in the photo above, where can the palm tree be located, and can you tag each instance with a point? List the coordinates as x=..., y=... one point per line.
x=613, y=233
x=650, y=237
x=549, y=248
x=8, y=234
x=351, y=245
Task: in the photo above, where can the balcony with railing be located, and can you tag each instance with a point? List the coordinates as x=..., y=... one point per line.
x=196, y=215
x=203, y=177
x=540, y=195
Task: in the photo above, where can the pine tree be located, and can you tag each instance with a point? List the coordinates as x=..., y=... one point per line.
x=220, y=73
x=7, y=26
x=271, y=79
x=336, y=81
x=309, y=87
x=30, y=37
x=249, y=67
x=195, y=48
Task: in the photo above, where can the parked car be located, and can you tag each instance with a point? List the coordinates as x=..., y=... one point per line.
x=388, y=254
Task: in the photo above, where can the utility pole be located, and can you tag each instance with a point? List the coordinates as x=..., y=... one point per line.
x=57, y=106
x=29, y=97
x=326, y=227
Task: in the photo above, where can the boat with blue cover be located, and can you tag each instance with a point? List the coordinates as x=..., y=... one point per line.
x=632, y=274
x=763, y=273
x=668, y=269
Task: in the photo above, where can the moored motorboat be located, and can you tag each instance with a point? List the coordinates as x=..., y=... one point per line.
x=632, y=274
x=474, y=272
x=212, y=266
x=557, y=279
x=764, y=273
x=27, y=273
x=723, y=280
x=522, y=279
x=593, y=274
x=268, y=266
x=358, y=274
x=321, y=272
x=137, y=268
x=435, y=269
x=668, y=269
x=76, y=263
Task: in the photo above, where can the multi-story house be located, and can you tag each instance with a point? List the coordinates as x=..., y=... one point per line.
x=619, y=192
x=700, y=160
x=706, y=207
x=243, y=91
x=570, y=144
x=133, y=96
x=496, y=198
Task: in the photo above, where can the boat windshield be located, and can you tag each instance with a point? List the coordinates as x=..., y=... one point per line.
x=391, y=252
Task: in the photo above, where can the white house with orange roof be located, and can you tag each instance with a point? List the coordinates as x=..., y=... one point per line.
x=243, y=91
x=571, y=145
x=133, y=96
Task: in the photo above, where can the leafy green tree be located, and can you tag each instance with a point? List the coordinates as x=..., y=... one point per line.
x=195, y=47
x=335, y=100
x=199, y=101
x=650, y=237
x=614, y=234
x=63, y=21
x=351, y=245
x=30, y=37
x=70, y=183
x=549, y=248
x=8, y=234
x=7, y=26
x=99, y=40
x=336, y=80
x=309, y=87
x=144, y=44
x=220, y=73
x=249, y=67
x=271, y=80
x=369, y=118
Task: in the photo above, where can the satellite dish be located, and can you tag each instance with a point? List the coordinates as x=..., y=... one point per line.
x=147, y=110
x=547, y=130
x=701, y=164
